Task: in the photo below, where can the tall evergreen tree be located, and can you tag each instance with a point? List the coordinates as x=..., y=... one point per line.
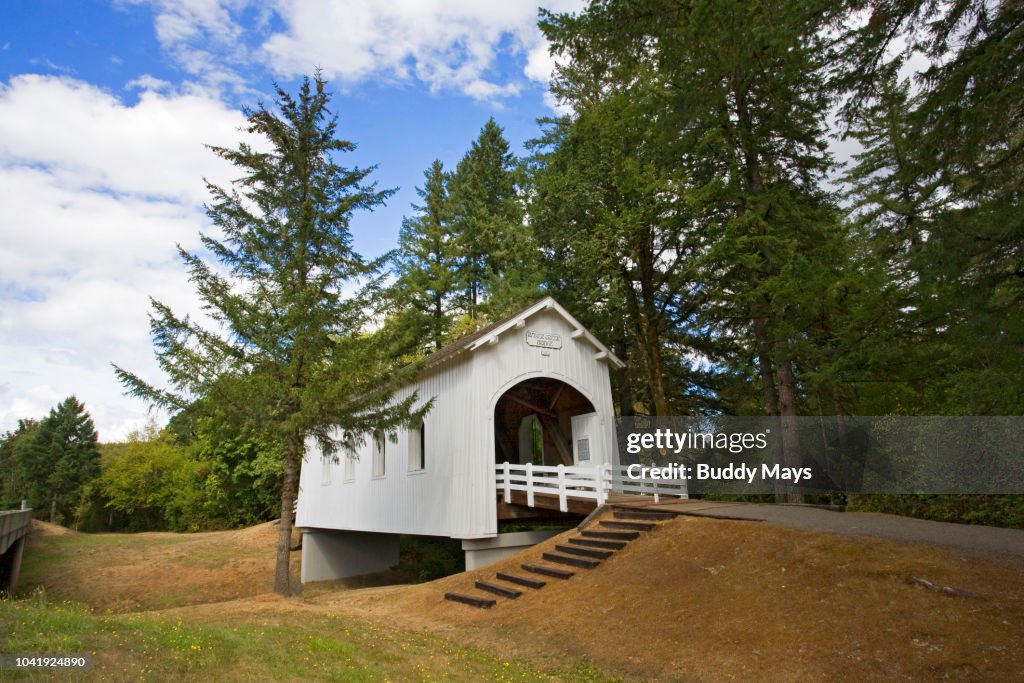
x=291, y=357
x=424, y=296
x=740, y=112
x=497, y=255
x=61, y=456
x=948, y=199
x=617, y=236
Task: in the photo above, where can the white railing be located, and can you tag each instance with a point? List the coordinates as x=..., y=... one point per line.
x=588, y=482
x=623, y=483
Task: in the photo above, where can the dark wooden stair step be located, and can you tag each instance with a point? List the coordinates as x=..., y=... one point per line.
x=614, y=535
x=549, y=571
x=473, y=600
x=643, y=514
x=510, y=593
x=632, y=526
x=522, y=580
x=597, y=543
x=584, y=552
x=580, y=562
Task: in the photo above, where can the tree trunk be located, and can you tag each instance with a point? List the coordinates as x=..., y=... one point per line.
x=624, y=383
x=652, y=353
x=53, y=508
x=766, y=371
x=787, y=411
x=282, y=573
x=764, y=366
x=649, y=344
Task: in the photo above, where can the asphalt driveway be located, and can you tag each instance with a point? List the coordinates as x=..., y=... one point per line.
x=1007, y=543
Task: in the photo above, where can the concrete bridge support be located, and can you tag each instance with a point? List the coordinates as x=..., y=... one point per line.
x=329, y=554
x=485, y=551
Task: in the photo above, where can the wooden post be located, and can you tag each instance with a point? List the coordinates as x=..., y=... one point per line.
x=655, y=491
x=599, y=484
x=563, y=504
x=508, y=489
x=529, y=484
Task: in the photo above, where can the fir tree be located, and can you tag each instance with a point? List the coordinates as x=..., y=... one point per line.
x=426, y=265
x=737, y=114
x=497, y=258
x=940, y=186
x=61, y=456
x=290, y=357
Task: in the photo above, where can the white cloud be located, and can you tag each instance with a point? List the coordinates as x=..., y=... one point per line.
x=444, y=44
x=94, y=194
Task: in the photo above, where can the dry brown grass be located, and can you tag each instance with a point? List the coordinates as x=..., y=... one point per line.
x=41, y=528
x=701, y=599
x=697, y=599
x=153, y=570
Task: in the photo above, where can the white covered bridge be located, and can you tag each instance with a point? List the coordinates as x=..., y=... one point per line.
x=522, y=420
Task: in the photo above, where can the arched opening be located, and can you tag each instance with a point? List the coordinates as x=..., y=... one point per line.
x=533, y=422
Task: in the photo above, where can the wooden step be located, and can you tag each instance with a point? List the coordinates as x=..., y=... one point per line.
x=643, y=514
x=473, y=600
x=580, y=562
x=549, y=571
x=510, y=593
x=584, y=552
x=522, y=580
x=632, y=526
x=614, y=535
x=597, y=543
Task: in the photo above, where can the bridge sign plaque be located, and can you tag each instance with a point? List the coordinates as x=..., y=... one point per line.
x=545, y=340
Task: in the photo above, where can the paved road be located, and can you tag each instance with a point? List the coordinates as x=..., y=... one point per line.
x=1008, y=543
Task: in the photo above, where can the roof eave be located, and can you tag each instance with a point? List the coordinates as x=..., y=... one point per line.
x=546, y=304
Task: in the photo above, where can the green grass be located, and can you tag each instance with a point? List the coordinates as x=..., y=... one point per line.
x=287, y=646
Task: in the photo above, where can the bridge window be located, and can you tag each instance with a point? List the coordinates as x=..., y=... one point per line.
x=418, y=448
x=378, y=454
x=583, y=449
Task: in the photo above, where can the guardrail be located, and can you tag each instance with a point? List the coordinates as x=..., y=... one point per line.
x=14, y=527
x=581, y=482
x=14, y=524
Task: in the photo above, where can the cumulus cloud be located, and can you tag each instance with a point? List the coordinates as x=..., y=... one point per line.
x=94, y=194
x=444, y=44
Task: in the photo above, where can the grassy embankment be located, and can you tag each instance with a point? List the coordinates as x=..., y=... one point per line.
x=695, y=599
x=131, y=600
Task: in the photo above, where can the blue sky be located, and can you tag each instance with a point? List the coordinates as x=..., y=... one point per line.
x=104, y=110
